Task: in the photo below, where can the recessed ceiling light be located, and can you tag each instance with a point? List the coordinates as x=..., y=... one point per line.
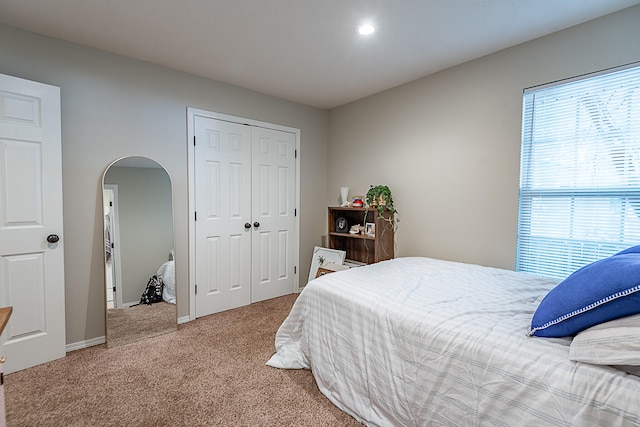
x=366, y=29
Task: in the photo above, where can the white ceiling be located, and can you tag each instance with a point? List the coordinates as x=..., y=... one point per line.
x=303, y=50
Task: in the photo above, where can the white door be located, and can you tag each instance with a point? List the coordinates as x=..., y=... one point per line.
x=31, y=263
x=223, y=208
x=274, y=182
x=244, y=188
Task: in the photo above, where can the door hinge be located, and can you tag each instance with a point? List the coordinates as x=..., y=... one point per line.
x=110, y=203
x=195, y=216
x=194, y=140
x=113, y=245
x=295, y=270
x=295, y=212
x=295, y=153
x=114, y=289
x=196, y=289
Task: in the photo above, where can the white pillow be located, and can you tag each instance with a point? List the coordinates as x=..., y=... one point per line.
x=616, y=342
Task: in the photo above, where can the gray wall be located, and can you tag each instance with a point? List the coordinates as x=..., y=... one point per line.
x=145, y=223
x=114, y=106
x=448, y=145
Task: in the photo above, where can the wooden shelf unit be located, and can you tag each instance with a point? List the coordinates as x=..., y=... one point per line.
x=362, y=247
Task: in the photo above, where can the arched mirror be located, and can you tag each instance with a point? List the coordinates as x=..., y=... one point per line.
x=139, y=241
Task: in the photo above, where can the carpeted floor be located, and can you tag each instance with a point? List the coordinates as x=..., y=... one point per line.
x=131, y=324
x=211, y=372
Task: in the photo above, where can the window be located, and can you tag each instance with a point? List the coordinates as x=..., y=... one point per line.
x=579, y=172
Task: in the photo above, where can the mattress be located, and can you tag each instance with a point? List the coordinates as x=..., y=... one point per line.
x=419, y=341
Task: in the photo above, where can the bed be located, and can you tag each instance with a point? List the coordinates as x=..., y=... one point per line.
x=166, y=272
x=420, y=341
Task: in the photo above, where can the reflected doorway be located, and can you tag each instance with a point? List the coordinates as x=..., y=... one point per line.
x=112, y=255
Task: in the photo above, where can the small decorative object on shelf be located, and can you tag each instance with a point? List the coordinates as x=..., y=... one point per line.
x=344, y=196
x=342, y=226
x=357, y=202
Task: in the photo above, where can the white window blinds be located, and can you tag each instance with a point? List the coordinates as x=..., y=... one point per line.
x=580, y=172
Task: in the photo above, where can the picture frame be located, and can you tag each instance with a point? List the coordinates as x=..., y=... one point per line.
x=323, y=256
x=322, y=271
x=329, y=267
x=342, y=225
x=370, y=229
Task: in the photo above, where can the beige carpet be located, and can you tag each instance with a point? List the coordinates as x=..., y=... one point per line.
x=211, y=372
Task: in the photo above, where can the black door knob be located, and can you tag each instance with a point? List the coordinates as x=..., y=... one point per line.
x=256, y=224
x=52, y=238
x=247, y=225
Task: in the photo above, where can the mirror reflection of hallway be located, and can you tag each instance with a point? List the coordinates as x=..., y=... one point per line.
x=138, y=244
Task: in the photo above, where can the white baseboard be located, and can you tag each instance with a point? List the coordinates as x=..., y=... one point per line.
x=85, y=344
x=183, y=319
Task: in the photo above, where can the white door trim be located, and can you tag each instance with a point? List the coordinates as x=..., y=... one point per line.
x=115, y=239
x=191, y=114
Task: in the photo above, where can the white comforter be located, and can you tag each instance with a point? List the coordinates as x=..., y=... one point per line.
x=168, y=275
x=424, y=342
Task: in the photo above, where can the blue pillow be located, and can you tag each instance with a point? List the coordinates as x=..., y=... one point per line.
x=598, y=292
x=631, y=250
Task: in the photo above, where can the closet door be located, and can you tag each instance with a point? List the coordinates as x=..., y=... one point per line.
x=223, y=211
x=273, y=207
x=244, y=191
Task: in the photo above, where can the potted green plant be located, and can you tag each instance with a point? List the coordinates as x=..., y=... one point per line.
x=379, y=196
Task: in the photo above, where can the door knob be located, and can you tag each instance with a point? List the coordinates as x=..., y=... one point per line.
x=53, y=238
x=256, y=224
x=247, y=225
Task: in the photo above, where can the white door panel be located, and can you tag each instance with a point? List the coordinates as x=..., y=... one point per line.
x=223, y=207
x=274, y=182
x=31, y=269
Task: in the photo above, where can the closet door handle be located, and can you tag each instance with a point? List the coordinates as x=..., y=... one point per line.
x=256, y=224
x=52, y=238
x=247, y=225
